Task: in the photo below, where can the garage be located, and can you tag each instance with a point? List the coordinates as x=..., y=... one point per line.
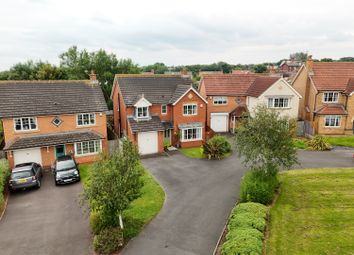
x=28, y=155
x=148, y=142
x=219, y=122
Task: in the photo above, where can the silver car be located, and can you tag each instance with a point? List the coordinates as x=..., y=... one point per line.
x=26, y=175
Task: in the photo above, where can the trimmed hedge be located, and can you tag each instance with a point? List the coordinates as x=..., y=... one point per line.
x=245, y=230
x=258, y=187
x=4, y=175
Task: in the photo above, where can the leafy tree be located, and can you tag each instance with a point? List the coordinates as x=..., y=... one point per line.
x=76, y=63
x=114, y=182
x=299, y=56
x=50, y=72
x=326, y=60
x=346, y=59
x=265, y=142
x=260, y=68
x=158, y=68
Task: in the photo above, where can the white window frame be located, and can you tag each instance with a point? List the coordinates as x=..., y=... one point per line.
x=336, y=118
x=137, y=112
x=190, y=105
x=273, y=99
x=220, y=100
x=326, y=96
x=199, y=135
x=82, y=119
x=164, y=112
x=29, y=124
x=79, y=148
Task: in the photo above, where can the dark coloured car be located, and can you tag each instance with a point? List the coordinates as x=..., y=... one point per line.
x=65, y=170
x=25, y=175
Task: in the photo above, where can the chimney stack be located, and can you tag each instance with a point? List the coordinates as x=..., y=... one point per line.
x=184, y=71
x=309, y=63
x=93, y=76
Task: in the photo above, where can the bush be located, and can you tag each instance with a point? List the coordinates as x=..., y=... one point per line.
x=108, y=240
x=318, y=143
x=4, y=175
x=216, y=147
x=253, y=208
x=247, y=220
x=246, y=245
x=259, y=187
x=132, y=227
x=97, y=224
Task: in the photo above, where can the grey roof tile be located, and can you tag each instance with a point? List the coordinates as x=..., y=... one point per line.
x=154, y=124
x=40, y=98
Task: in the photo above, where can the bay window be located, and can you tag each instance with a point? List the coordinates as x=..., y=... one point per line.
x=87, y=148
x=332, y=121
x=192, y=134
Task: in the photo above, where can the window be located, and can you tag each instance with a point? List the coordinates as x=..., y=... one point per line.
x=190, y=109
x=87, y=148
x=278, y=102
x=220, y=100
x=57, y=122
x=332, y=121
x=163, y=109
x=190, y=134
x=86, y=119
x=142, y=112
x=330, y=97
x=24, y=124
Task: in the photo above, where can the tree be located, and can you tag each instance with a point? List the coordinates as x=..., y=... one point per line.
x=265, y=142
x=158, y=68
x=260, y=68
x=299, y=56
x=326, y=60
x=47, y=71
x=114, y=182
x=347, y=59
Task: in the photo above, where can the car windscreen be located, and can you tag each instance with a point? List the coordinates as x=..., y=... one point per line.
x=65, y=165
x=21, y=174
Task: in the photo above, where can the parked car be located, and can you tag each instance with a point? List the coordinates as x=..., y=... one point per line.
x=26, y=175
x=65, y=170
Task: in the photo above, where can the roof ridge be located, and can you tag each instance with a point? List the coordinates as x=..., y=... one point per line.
x=148, y=75
x=42, y=81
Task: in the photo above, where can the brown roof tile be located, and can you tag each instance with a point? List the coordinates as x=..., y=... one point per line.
x=260, y=85
x=332, y=110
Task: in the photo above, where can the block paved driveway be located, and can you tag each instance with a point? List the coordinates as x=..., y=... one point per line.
x=199, y=197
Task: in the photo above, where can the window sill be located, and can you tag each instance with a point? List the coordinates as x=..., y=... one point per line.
x=192, y=140
x=85, y=155
x=27, y=131
x=85, y=126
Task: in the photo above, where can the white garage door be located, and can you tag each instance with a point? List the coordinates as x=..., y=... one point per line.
x=148, y=143
x=219, y=122
x=28, y=155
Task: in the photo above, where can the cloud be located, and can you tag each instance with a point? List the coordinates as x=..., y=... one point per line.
x=182, y=32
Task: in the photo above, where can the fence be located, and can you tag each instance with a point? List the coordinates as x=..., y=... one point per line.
x=304, y=128
x=113, y=145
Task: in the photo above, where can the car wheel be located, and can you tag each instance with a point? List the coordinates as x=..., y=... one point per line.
x=56, y=183
x=38, y=184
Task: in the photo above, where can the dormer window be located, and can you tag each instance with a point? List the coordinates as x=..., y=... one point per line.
x=330, y=97
x=142, y=112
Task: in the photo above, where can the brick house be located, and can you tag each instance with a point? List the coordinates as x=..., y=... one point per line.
x=153, y=110
x=229, y=96
x=289, y=66
x=327, y=104
x=43, y=120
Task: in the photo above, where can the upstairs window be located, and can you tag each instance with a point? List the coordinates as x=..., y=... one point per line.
x=86, y=119
x=278, y=102
x=330, y=97
x=189, y=109
x=220, y=100
x=24, y=124
x=332, y=121
x=163, y=109
x=142, y=112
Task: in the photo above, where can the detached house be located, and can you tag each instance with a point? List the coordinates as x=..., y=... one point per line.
x=327, y=104
x=153, y=110
x=43, y=120
x=229, y=96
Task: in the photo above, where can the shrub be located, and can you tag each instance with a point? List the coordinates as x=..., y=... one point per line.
x=132, y=227
x=245, y=245
x=97, y=224
x=253, y=208
x=318, y=143
x=4, y=174
x=259, y=187
x=244, y=233
x=216, y=147
x=108, y=240
x=247, y=220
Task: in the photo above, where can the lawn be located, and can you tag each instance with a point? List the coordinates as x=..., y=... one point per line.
x=299, y=143
x=143, y=209
x=314, y=213
x=196, y=152
x=347, y=141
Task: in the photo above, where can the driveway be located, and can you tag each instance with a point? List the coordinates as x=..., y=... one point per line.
x=45, y=221
x=199, y=197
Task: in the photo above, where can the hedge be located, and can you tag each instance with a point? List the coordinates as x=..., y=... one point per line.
x=4, y=175
x=246, y=228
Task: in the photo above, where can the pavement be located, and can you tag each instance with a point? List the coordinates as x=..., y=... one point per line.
x=45, y=221
x=199, y=196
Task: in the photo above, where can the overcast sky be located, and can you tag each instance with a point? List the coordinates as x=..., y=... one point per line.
x=176, y=32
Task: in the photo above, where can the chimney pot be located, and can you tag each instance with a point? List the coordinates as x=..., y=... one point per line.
x=93, y=76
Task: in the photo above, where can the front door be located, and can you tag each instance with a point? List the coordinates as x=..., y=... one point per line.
x=59, y=151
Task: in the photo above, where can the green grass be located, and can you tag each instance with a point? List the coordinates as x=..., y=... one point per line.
x=299, y=143
x=314, y=213
x=347, y=141
x=196, y=152
x=141, y=210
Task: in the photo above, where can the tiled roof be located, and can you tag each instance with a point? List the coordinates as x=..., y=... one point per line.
x=260, y=85
x=157, y=89
x=52, y=139
x=332, y=75
x=350, y=86
x=237, y=84
x=332, y=110
x=154, y=124
x=239, y=111
x=39, y=98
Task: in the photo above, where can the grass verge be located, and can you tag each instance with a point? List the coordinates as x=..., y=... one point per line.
x=141, y=210
x=314, y=213
x=347, y=141
x=196, y=152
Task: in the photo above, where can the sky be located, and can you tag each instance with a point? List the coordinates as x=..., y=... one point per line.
x=176, y=32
